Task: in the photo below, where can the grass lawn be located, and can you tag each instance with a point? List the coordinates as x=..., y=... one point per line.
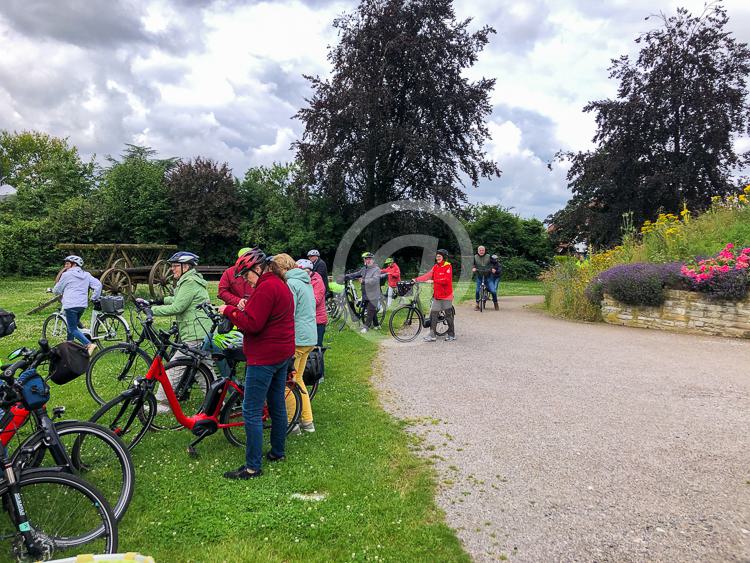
x=377, y=496
x=466, y=291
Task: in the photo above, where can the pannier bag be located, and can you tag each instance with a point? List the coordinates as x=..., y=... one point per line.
x=34, y=391
x=403, y=288
x=314, y=367
x=114, y=304
x=68, y=360
x=7, y=323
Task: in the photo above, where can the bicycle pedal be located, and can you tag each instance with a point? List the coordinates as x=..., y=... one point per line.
x=57, y=412
x=192, y=452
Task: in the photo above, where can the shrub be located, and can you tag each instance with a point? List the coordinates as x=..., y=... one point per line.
x=635, y=284
x=518, y=268
x=729, y=286
x=724, y=276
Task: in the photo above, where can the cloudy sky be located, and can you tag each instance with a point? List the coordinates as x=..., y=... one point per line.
x=223, y=79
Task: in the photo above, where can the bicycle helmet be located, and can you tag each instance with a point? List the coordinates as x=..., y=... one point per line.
x=243, y=251
x=443, y=252
x=366, y=255
x=248, y=260
x=388, y=260
x=304, y=264
x=494, y=256
x=313, y=252
x=232, y=339
x=183, y=257
x=77, y=260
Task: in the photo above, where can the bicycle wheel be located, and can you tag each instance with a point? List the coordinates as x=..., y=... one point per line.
x=55, y=329
x=128, y=416
x=406, y=323
x=482, y=299
x=96, y=453
x=293, y=399
x=111, y=371
x=190, y=383
x=67, y=516
x=380, y=314
x=312, y=390
x=109, y=329
x=442, y=325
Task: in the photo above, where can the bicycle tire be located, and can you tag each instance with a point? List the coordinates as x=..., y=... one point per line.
x=58, y=332
x=404, y=331
x=128, y=416
x=113, y=329
x=75, y=495
x=312, y=390
x=108, y=375
x=190, y=401
x=93, y=463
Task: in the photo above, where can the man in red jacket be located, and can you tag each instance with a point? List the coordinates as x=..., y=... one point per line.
x=267, y=324
x=441, y=275
x=235, y=290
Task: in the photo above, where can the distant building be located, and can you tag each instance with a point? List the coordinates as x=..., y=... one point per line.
x=6, y=191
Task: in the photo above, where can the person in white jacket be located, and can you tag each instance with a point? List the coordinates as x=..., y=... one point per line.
x=74, y=287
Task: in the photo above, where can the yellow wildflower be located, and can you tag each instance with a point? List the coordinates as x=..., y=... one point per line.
x=747, y=189
x=743, y=198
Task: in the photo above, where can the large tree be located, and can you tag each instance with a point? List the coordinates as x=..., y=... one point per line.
x=398, y=118
x=668, y=138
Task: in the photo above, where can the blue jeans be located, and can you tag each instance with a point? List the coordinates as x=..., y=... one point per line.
x=264, y=384
x=72, y=316
x=492, y=283
x=209, y=346
x=321, y=332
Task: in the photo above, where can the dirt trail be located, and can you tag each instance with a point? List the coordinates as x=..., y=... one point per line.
x=563, y=441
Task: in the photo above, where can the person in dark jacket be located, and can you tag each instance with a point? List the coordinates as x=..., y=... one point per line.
x=267, y=324
x=235, y=290
x=493, y=281
x=371, y=295
x=319, y=267
x=481, y=270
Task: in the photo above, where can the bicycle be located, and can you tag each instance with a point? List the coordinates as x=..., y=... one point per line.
x=107, y=324
x=484, y=294
x=355, y=308
x=77, y=447
x=407, y=321
x=51, y=513
x=132, y=413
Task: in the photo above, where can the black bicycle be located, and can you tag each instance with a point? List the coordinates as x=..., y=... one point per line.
x=407, y=321
x=484, y=294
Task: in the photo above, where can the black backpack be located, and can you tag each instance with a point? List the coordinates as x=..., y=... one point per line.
x=314, y=367
x=68, y=360
x=7, y=323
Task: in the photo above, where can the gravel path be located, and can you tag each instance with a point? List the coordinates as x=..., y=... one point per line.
x=564, y=441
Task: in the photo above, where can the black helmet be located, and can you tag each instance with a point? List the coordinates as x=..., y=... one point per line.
x=182, y=257
x=443, y=252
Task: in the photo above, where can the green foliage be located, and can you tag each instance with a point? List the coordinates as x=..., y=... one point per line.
x=25, y=248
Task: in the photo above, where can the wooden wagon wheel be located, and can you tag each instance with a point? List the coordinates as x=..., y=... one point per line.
x=117, y=281
x=161, y=282
x=122, y=264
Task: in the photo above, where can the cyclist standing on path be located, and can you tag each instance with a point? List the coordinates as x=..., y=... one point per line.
x=319, y=267
x=482, y=270
x=493, y=281
x=441, y=275
x=321, y=314
x=234, y=290
x=305, y=332
x=193, y=325
x=267, y=324
x=370, y=276
x=394, y=276
x=74, y=287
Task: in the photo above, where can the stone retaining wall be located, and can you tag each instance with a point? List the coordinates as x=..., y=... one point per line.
x=684, y=311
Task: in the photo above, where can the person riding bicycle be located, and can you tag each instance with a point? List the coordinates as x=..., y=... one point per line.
x=482, y=270
x=371, y=296
x=493, y=281
x=267, y=323
x=441, y=275
x=319, y=267
x=394, y=276
x=192, y=324
x=74, y=285
x=234, y=290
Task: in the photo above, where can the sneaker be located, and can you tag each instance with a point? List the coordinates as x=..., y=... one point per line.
x=272, y=458
x=243, y=473
x=295, y=430
x=450, y=338
x=363, y=330
x=91, y=349
x=429, y=338
x=307, y=426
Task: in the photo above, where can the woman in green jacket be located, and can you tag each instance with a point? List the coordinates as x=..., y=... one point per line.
x=192, y=323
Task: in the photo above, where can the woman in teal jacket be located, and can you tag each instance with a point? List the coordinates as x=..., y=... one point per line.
x=305, y=329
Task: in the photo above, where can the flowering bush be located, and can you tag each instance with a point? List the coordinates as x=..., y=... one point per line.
x=635, y=284
x=724, y=276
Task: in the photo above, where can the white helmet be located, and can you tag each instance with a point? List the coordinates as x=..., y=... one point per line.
x=313, y=252
x=304, y=264
x=77, y=260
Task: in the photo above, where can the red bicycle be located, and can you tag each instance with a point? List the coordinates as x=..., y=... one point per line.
x=131, y=414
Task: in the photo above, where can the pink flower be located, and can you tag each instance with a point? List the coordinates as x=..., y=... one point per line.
x=729, y=246
x=724, y=269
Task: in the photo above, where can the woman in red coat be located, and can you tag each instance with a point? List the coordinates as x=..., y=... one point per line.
x=441, y=275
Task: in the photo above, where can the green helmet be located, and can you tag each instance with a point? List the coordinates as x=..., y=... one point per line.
x=232, y=339
x=366, y=255
x=388, y=260
x=243, y=251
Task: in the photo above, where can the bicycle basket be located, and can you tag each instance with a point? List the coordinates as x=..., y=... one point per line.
x=113, y=304
x=7, y=323
x=34, y=391
x=404, y=288
x=68, y=360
